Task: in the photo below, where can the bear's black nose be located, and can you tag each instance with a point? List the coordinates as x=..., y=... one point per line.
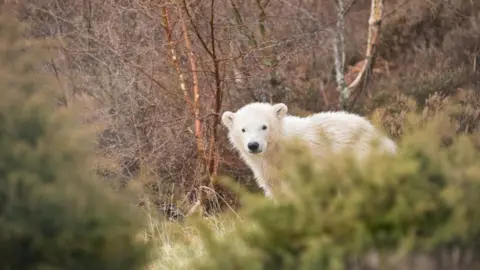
x=253, y=146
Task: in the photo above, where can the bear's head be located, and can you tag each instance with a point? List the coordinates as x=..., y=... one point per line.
x=255, y=126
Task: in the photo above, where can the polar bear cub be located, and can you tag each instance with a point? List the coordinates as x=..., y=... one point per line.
x=258, y=130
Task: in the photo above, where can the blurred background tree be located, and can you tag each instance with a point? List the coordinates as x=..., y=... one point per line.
x=54, y=213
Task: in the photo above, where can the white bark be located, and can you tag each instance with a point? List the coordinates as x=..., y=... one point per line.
x=374, y=22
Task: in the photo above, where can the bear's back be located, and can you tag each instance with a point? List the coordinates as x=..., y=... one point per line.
x=333, y=131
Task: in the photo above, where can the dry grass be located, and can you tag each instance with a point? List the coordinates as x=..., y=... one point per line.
x=177, y=246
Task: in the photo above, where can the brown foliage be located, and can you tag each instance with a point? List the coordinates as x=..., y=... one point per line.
x=120, y=56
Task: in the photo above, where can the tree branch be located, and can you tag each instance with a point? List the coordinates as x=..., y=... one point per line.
x=195, y=29
x=374, y=22
x=339, y=54
x=173, y=52
x=376, y=14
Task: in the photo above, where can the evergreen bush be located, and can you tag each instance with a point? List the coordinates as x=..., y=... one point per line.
x=54, y=214
x=383, y=214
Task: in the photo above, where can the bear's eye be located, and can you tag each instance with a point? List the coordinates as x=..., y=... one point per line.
x=264, y=127
x=243, y=130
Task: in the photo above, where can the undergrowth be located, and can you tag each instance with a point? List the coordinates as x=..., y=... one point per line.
x=383, y=213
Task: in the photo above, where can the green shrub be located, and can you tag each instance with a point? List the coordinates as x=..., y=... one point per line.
x=53, y=213
x=336, y=214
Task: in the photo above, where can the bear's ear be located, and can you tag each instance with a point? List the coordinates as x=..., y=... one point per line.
x=227, y=119
x=280, y=110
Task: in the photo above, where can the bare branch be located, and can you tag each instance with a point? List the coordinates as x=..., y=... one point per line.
x=374, y=23
x=195, y=29
x=173, y=52
x=196, y=91
x=339, y=54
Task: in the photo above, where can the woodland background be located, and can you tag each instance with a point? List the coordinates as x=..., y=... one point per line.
x=156, y=75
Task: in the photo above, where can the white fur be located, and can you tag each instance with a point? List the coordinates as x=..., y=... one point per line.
x=337, y=130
